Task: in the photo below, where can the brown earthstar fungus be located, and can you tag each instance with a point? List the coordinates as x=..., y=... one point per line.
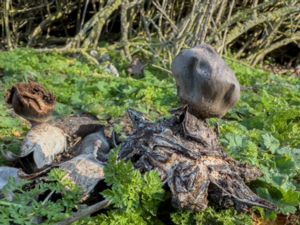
x=186, y=152
x=184, y=149
x=31, y=101
x=204, y=82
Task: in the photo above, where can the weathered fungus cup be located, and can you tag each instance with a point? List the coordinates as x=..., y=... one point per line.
x=204, y=82
x=45, y=142
x=31, y=101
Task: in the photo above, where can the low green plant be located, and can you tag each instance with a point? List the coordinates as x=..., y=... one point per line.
x=135, y=197
x=29, y=203
x=262, y=130
x=211, y=216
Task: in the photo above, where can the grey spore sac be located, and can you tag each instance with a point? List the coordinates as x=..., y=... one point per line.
x=204, y=82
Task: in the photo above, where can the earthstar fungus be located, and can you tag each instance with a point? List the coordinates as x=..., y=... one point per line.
x=204, y=82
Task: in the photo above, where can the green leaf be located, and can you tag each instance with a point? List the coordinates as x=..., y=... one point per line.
x=270, y=142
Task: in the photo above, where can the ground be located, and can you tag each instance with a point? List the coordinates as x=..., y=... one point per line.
x=262, y=130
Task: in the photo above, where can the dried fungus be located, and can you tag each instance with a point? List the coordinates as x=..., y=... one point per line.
x=84, y=170
x=189, y=158
x=44, y=141
x=31, y=101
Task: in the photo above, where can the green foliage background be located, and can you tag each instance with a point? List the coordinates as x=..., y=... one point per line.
x=263, y=129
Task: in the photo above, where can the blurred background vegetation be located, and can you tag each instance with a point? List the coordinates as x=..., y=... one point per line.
x=254, y=30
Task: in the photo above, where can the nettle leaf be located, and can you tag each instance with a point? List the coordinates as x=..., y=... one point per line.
x=240, y=147
x=270, y=142
x=286, y=199
x=292, y=152
x=285, y=164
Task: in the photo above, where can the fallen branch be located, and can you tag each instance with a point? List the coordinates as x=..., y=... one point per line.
x=94, y=26
x=67, y=9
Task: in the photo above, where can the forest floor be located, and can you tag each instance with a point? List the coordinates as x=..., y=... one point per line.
x=262, y=130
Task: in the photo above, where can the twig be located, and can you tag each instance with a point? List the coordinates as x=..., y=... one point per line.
x=86, y=212
x=124, y=28
x=174, y=27
x=221, y=48
x=6, y=24
x=208, y=14
x=161, y=68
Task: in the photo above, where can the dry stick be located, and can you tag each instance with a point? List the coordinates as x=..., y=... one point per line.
x=160, y=16
x=15, y=11
x=221, y=11
x=6, y=24
x=184, y=27
x=14, y=27
x=163, y=13
x=78, y=16
x=198, y=23
x=238, y=17
x=244, y=46
x=84, y=13
x=67, y=9
x=145, y=23
x=124, y=28
x=160, y=35
x=98, y=19
x=260, y=56
x=254, y=6
x=221, y=48
x=2, y=25
x=208, y=14
x=95, y=34
x=242, y=28
x=217, y=21
x=268, y=40
x=86, y=212
x=180, y=11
